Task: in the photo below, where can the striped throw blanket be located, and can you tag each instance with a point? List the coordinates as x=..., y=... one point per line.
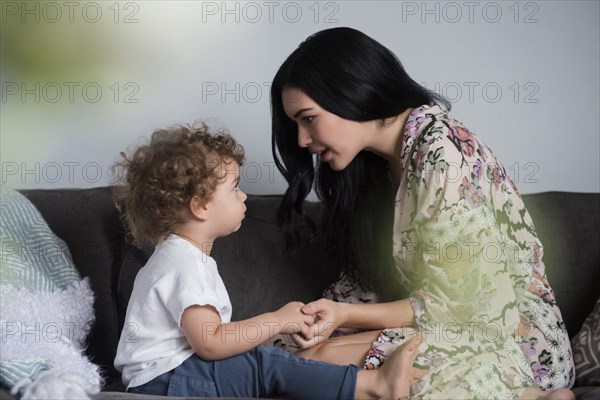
x=46, y=309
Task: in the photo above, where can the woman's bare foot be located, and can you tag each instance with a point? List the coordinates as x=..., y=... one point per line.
x=398, y=368
x=393, y=379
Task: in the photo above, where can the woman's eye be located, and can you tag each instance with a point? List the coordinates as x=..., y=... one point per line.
x=308, y=119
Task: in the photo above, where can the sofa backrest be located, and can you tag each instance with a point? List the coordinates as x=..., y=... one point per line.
x=260, y=276
x=568, y=225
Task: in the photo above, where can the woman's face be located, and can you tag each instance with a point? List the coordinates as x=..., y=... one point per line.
x=335, y=139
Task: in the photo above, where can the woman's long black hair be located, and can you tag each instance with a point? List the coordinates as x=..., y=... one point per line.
x=353, y=76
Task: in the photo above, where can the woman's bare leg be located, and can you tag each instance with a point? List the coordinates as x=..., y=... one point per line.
x=393, y=379
x=539, y=394
x=342, y=350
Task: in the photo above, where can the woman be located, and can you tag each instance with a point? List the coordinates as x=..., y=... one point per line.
x=389, y=163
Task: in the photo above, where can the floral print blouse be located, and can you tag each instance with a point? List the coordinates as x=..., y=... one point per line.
x=466, y=247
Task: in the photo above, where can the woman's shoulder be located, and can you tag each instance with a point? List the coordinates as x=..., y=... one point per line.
x=431, y=121
x=431, y=130
x=427, y=129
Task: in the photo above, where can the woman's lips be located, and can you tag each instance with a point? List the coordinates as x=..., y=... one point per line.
x=326, y=155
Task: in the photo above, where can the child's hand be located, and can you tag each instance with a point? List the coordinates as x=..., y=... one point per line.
x=326, y=320
x=293, y=320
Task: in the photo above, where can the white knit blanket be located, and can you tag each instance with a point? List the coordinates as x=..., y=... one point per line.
x=46, y=309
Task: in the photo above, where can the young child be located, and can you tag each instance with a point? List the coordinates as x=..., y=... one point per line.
x=180, y=194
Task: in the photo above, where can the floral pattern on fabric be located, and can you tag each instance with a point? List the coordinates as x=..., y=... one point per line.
x=349, y=290
x=466, y=247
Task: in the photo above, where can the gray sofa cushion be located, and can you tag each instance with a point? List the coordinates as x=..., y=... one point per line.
x=568, y=225
x=586, y=350
x=260, y=277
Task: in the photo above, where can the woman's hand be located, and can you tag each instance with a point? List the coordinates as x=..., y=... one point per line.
x=330, y=315
x=327, y=318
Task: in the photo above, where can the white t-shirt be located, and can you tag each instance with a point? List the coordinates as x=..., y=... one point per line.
x=176, y=276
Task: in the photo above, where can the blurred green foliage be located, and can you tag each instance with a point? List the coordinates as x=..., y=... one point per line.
x=54, y=40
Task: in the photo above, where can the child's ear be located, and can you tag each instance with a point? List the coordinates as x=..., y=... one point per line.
x=198, y=209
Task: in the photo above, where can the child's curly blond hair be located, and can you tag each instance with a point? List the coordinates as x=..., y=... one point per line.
x=159, y=179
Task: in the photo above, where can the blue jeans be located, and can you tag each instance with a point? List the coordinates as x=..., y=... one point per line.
x=264, y=371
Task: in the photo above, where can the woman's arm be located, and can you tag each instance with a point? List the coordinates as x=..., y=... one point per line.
x=212, y=340
x=331, y=315
x=371, y=316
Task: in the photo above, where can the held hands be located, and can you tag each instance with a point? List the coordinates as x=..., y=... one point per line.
x=293, y=320
x=326, y=318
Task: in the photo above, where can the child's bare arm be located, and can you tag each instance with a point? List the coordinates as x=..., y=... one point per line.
x=212, y=340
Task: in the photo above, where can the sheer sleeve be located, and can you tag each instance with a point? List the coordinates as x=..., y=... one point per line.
x=453, y=245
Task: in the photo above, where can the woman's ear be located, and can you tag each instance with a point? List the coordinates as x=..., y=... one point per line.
x=198, y=209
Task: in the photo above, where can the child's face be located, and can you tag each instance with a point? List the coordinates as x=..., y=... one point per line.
x=227, y=203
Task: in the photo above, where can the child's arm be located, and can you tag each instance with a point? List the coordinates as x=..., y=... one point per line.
x=212, y=340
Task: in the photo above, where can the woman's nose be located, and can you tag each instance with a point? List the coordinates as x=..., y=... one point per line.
x=303, y=138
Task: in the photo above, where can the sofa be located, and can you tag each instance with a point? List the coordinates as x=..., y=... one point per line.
x=261, y=276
